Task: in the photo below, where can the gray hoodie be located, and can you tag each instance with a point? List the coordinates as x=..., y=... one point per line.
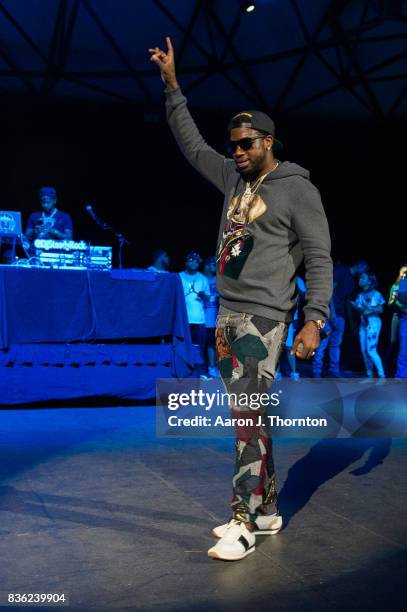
x=258, y=259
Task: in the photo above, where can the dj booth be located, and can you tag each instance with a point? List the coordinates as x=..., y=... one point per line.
x=80, y=333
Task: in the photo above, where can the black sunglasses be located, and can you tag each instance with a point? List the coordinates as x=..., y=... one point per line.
x=244, y=143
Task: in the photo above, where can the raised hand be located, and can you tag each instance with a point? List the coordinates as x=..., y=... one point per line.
x=166, y=63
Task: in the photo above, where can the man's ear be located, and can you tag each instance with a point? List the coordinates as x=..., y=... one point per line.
x=269, y=142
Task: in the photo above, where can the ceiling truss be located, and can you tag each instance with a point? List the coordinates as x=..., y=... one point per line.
x=347, y=72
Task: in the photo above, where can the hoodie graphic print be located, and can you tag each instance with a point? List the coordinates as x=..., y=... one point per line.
x=237, y=241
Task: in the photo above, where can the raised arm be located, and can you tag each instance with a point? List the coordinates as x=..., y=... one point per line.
x=212, y=165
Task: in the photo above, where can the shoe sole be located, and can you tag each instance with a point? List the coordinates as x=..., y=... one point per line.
x=257, y=532
x=215, y=555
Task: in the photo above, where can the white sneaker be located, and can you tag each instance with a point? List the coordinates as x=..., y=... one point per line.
x=264, y=525
x=236, y=543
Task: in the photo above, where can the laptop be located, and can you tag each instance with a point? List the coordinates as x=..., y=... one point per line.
x=10, y=224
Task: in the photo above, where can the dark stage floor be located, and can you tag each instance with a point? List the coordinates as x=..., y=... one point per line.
x=93, y=505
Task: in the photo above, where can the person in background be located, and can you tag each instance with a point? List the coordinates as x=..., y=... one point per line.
x=369, y=303
x=345, y=323
x=161, y=261
x=346, y=280
x=211, y=313
x=398, y=300
x=345, y=284
x=50, y=223
x=197, y=294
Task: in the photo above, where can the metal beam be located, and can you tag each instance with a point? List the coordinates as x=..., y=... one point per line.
x=51, y=76
x=218, y=63
x=342, y=79
x=297, y=68
x=317, y=96
x=180, y=27
x=244, y=92
x=387, y=62
x=199, y=70
x=231, y=34
x=96, y=88
x=349, y=49
x=321, y=45
x=23, y=33
x=308, y=49
x=201, y=79
x=64, y=49
x=383, y=38
x=353, y=81
x=389, y=77
x=209, y=30
x=213, y=65
x=16, y=71
x=132, y=73
x=397, y=101
x=255, y=91
x=188, y=32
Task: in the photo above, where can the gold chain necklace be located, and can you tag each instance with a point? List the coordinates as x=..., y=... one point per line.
x=246, y=197
x=259, y=181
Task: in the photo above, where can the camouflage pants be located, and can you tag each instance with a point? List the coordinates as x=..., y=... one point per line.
x=248, y=349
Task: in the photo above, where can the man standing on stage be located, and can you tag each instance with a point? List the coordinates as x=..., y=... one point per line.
x=51, y=223
x=272, y=220
x=197, y=294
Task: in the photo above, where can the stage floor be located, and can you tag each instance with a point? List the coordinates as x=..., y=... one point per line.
x=93, y=505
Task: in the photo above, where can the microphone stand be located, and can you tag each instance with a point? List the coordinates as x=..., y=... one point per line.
x=121, y=239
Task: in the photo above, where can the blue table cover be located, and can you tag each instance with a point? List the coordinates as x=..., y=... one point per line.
x=39, y=305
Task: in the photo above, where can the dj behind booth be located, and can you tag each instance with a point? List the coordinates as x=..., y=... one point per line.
x=47, y=241
x=51, y=223
x=73, y=327
x=48, y=224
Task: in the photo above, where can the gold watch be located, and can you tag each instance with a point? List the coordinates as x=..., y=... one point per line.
x=320, y=324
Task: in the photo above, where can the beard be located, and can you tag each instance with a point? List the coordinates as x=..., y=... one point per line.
x=255, y=170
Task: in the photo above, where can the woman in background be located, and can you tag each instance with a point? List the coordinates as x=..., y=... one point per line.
x=369, y=303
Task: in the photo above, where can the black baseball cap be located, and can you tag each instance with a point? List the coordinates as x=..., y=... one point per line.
x=256, y=120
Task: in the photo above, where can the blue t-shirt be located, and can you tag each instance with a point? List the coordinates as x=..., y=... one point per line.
x=60, y=221
x=366, y=301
